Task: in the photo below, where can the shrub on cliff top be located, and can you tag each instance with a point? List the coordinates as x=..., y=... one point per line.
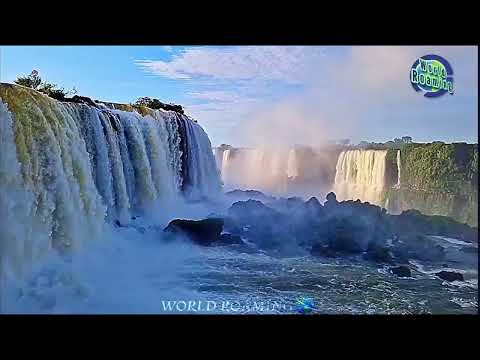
x=157, y=104
x=34, y=81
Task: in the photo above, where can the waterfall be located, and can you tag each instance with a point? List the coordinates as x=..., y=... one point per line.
x=399, y=169
x=360, y=174
x=225, y=165
x=260, y=168
x=292, y=170
x=203, y=180
x=67, y=169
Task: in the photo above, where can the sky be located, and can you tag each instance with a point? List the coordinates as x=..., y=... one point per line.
x=254, y=95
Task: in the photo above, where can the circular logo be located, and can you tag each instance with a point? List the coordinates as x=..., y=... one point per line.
x=432, y=75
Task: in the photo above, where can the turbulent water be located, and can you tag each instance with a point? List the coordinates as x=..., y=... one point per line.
x=138, y=274
x=70, y=173
x=360, y=174
x=67, y=169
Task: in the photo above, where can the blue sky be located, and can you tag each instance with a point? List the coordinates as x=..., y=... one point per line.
x=259, y=95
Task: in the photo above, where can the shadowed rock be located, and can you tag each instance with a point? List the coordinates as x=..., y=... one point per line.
x=449, y=275
x=202, y=232
x=401, y=271
x=229, y=239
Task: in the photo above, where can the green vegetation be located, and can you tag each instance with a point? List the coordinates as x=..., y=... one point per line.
x=437, y=178
x=34, y=81
x=450, y=168
x=157, y=104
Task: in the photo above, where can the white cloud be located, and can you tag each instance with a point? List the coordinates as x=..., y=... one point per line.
x=243, y=92
x=218, y=95
x=281, y=63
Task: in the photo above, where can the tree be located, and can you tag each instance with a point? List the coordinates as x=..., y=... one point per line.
x=407, y=139
x=35, y=82
x=32, y=81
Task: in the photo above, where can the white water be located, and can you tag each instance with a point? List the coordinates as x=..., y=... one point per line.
x=399, y=170
x=67, y=170
x=261, y=169
x=360, y=174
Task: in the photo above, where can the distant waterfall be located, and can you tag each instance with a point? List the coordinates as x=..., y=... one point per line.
x=399, y=169
x=360, y=174
x=292, y=169
x=225, y=165
x=261, y=169
x=66, y=168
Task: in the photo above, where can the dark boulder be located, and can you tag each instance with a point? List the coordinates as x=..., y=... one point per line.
x=119, y=224
x=229, y=225
x=251, y=210
x=414, y=220
x=450, y=275
x=314, y=208
x=249, y=194
x=347, y=234
x=379, y=254
x=419, y=247
x=202, y=232
x=331, y=202
x=229, y=239
x=401, y=271
x=320, y=249
x=82, y=100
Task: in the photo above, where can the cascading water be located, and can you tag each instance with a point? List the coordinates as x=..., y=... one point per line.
x=399, y=169
x=292, y=170
x=67, y=168
x=360, y=174
x=225, y=162
x=261, y=169
x=203, y=178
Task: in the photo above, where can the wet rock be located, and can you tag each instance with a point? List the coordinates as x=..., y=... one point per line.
x=379, y=254
x=249, y=194
x=229, y=239
x=231, y=226
x=331, y=201
x=347, y=234
x=450, y=275
x=314, y=207
x=401, y=271
x=251, y=210
x=414, y=220
x=202, y=232
x=82, y=100
x=118, y=223
x=418, y=246
x=322, y=250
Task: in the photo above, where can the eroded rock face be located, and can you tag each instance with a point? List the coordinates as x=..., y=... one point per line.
x=202, y=232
